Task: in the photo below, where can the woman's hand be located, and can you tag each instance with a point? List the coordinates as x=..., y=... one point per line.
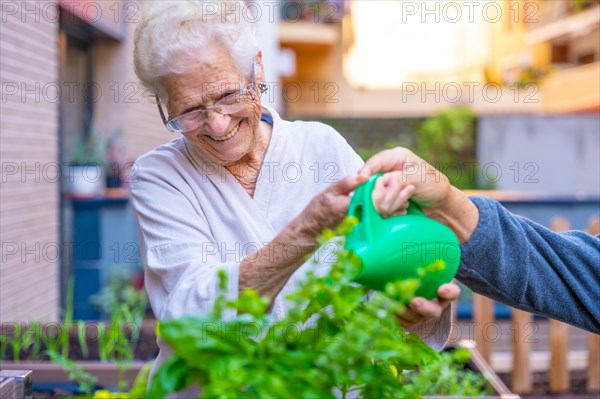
x=390, y=195
x=328, y=208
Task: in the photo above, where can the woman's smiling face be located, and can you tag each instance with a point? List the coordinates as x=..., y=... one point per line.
x=224, y=139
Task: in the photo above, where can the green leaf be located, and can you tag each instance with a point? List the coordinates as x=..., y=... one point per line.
x=172, y=376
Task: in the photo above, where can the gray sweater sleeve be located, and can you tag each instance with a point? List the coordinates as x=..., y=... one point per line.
x=527, y=266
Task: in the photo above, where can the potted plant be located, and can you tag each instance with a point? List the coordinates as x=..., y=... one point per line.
x=115, y=164
x=85, y=168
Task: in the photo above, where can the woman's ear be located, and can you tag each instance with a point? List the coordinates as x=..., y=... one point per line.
x=259, y=69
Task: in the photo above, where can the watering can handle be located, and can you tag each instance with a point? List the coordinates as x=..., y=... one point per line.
x=363, y=209
x=364, y=197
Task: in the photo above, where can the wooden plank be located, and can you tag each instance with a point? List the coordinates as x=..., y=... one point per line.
x=483, y=318
x=522, y=381
x=559, y=349
x=8, y=388
x=559, y=337
x=454, y=337
x=15, y=384
x=593, y=383
x=484, y=368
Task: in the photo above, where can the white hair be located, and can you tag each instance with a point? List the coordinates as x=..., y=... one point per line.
x=172, y=34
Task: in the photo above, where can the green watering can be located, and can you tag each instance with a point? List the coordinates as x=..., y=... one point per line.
x=396, y=248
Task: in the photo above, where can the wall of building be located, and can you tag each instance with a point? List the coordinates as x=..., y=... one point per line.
x=555, y=155
x=125, y=106
x=31, y=247
x=29, y=198
x=510, y=48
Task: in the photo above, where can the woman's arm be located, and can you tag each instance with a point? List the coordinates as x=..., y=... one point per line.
x=269, y=269
x=182, y=257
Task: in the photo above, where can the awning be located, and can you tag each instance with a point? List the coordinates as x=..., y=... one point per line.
x=107, y=16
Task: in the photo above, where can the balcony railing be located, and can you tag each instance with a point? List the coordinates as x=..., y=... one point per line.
x=547, y=12
x=572, y=89
x=558, y=19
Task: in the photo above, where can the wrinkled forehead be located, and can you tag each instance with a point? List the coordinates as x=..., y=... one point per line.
x=205, y=78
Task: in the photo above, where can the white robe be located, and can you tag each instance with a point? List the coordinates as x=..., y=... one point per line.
x=195, y=218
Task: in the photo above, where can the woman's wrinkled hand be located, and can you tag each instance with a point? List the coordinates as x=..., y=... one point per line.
x=421, y=309
x=328, y=208
x=390, y=194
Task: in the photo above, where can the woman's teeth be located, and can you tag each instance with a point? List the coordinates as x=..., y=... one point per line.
x=229, y=134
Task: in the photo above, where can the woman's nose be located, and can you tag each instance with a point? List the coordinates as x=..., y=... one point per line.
x=216, y=124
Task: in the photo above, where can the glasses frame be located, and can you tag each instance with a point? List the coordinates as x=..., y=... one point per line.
x=168, y=122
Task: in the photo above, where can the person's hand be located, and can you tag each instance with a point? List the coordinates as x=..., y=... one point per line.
x=328, y=208
x=407, y=176
x=390, y=194
x=410, y=176
x=421, y=310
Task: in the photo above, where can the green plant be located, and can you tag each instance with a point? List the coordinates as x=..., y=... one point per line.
x=138, y=390
x=332, y=339
x=126, y=306
x=115, y=154
x=532, y=76
x=90, y=149
x=447, y=141
x=23, y=339
x=30, y=338
x=579, y=5
x=366, y=153
x=85, y=380
x=447, y=376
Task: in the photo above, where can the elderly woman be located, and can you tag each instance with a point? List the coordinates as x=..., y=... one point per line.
x=241, y=190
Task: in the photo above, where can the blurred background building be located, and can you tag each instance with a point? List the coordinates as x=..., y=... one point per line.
x=529, y=71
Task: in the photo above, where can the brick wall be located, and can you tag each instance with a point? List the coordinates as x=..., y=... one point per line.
x=29, y=197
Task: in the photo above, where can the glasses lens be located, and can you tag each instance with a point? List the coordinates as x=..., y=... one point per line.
x=189, y=121
x=234, y=102
x=174, y=126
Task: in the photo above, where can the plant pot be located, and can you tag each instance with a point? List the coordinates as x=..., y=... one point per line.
x=85, y=181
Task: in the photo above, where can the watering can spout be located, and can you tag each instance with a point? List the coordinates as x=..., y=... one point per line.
x=400, y=247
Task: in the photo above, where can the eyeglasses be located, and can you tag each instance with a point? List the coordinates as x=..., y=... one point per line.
x=229, y=104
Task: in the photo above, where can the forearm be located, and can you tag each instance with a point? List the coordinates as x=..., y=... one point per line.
x=269, y=269
x=527, y=266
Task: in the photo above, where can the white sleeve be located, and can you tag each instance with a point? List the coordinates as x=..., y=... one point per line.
x=181, y=259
